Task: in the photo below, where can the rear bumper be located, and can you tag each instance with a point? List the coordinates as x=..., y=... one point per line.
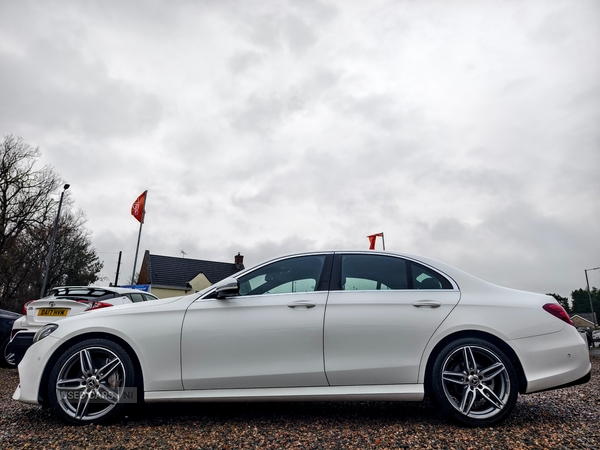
x=18, y=345
x=554, y=361
x=584, y=379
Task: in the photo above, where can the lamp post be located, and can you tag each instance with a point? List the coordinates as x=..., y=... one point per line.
x=587, y=282
x=49, y=258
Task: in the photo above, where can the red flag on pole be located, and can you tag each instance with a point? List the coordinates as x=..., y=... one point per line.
x=137, y=209
x=372, y=239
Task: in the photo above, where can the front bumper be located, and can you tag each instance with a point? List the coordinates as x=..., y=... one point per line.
x=31, y=370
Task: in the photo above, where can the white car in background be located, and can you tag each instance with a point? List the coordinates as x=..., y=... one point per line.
x=595, y=337
x=343, y=325
x=63, y=302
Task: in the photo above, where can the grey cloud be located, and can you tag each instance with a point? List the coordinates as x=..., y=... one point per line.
x=59, y=88
x=244, y=61
x=525, y=243
x=261, y=114
x=286, y=26
x=275, y=126
x=554, y=28
x=383, y=110
x=267, y=249
x=517, y=85
x=588, y=97
x=298, y=35
x=264, y=110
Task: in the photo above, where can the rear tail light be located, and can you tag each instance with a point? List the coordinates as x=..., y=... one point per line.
x=94, y=304
x=25, y=307
x=558, y=311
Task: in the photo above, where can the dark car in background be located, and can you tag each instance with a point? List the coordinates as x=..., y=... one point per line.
x=7, y=318
x=586, y=333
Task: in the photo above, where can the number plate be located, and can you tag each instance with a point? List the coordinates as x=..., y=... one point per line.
x=56, y=312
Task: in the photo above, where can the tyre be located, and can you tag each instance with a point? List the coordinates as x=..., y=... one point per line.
x=7, y=359
x=92, y=382
x=474, y=382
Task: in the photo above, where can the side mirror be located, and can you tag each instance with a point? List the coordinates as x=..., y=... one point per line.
x=227, y=287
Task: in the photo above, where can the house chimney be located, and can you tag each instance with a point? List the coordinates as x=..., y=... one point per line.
x=239, y=261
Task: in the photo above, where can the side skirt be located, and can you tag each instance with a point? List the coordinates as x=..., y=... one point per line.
x=394, y=392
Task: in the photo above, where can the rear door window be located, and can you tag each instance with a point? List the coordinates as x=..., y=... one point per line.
x=364, y=272
x=373, y=272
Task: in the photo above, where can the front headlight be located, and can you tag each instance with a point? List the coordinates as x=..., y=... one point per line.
x=45, y=331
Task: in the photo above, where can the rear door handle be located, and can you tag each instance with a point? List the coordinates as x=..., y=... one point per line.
x=305, y=303
x=427, y=303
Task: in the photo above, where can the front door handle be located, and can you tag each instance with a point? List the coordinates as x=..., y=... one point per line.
x=427, y=303
x=302, y=303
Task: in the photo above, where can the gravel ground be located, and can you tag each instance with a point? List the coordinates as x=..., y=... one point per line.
x=562, y=419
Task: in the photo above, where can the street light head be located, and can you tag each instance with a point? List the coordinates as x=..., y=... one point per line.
x=66, y=186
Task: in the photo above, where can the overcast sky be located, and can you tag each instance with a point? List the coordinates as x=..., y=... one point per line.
x=466, y=131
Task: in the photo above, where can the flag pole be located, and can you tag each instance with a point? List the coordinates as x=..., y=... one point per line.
x=136, y=253
x=383, y=240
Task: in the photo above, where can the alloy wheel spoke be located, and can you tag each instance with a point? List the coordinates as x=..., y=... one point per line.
x=491, y=397
x=470, y=363
x=82, y=405
x=467, y=401
x=109, y=368
x=454, y=377
x=75, y=384
x=105, y=393
x=491, y=372
x=85, y=359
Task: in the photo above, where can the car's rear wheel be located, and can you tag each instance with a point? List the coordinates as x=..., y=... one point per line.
x=474, y=382
x=92, y=382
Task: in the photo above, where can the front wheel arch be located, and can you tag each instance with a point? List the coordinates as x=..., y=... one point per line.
x=507, y=349
x=139, y=376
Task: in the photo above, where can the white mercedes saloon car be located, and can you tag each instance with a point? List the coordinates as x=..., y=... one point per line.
x=339, y=325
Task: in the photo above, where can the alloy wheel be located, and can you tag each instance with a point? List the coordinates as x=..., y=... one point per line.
x=90, y=383
x=476, y=382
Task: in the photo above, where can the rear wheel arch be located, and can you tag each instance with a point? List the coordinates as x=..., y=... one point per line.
x=139, y=376
x=507, y=349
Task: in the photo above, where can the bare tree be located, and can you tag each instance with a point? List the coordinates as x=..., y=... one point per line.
x=28, y=210
x=74, y=260
x=25, y=193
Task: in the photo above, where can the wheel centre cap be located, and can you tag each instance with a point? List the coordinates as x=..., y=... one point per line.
x=474, y=381
x=92, y=383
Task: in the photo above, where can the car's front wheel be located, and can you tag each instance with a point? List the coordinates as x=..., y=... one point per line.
x=474, y=382
x=91, y=382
